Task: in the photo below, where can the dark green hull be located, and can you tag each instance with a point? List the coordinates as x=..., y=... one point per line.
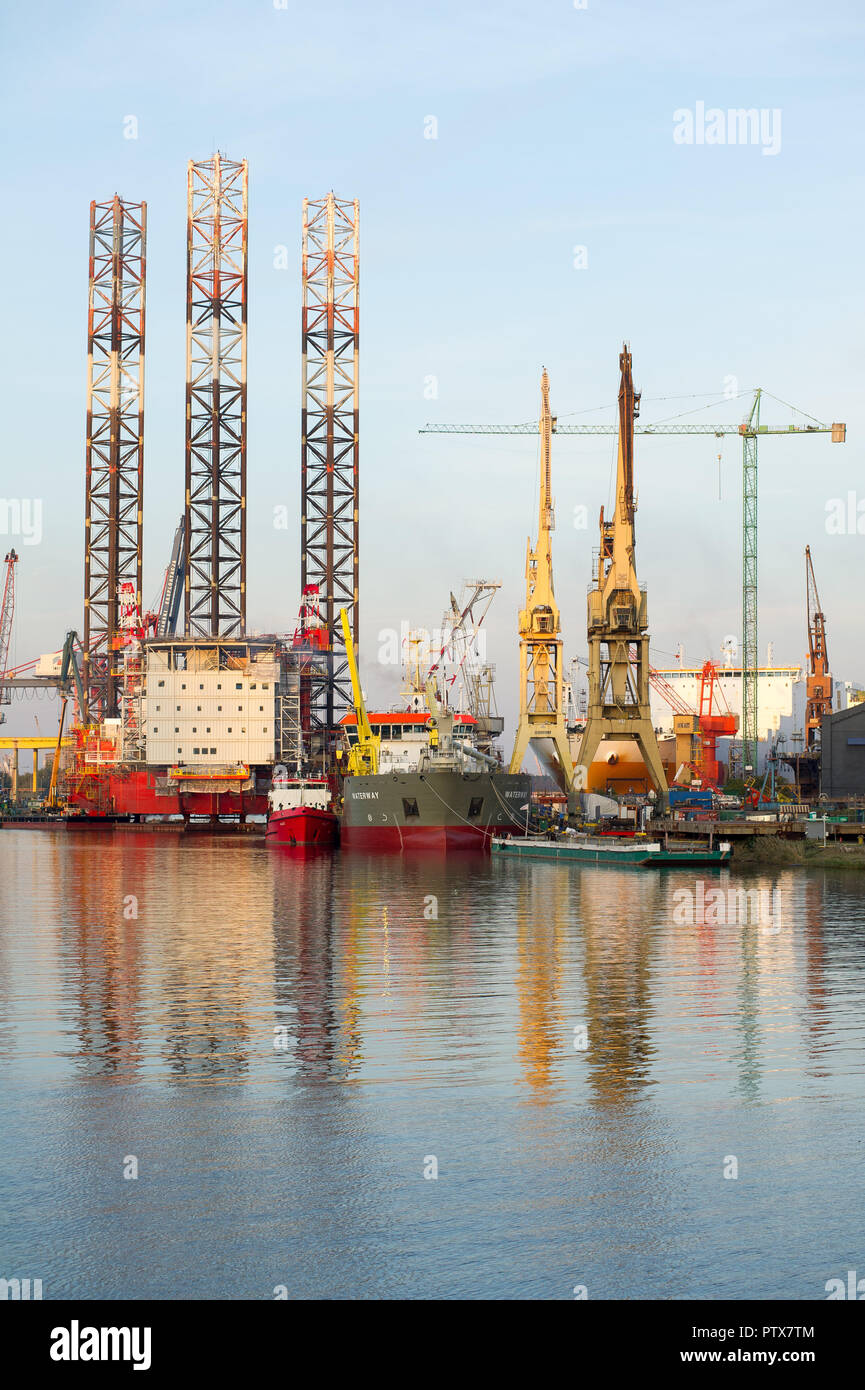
x=631, y=855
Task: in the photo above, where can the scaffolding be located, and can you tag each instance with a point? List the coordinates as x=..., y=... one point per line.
x=115, y=438
x=132, y=690
x=216, y=303
x=289, y=740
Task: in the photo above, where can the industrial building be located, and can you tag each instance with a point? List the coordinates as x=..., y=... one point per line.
x=842, y=772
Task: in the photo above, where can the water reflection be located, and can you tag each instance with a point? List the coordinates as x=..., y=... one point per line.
x=100, y=947
x=543, y=916
x=283, y=1040
x=618, y=921
x=207, y=959
x=305, y=968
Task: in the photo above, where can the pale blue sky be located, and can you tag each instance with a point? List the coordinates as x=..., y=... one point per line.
x=555, y=130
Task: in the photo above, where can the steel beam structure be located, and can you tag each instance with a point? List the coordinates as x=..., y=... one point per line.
x=115, y=438
x=329, y=430
x=749, y=590
x=7, y=612
x=216, y=303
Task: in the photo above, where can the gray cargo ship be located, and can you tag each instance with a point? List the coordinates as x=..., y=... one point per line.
x=435, y=789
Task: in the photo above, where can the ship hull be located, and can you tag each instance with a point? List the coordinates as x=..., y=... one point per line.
x=302, y=825
x=442, y=810
x=148, y=792
x=594, y=851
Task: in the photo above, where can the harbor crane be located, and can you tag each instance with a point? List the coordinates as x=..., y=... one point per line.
x=542, y=711
x=750, y=430
x=703, y=726
x=70, y=673
x=618, y=620
x=818, y=691
x=461, y=629
x=7, y=611
x=542, y=707
x=172, y=588
x=363, y=758
x=818, y=688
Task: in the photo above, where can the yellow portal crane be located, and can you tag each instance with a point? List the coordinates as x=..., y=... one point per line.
x=618, y=618
x=542, y=715
x=363, y=756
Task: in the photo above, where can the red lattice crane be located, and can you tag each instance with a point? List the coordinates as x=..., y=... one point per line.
x=6, y=612
x=668, y=694
x=709, y=726
x=818, y=687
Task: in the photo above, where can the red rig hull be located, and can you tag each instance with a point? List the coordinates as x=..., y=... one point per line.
x=142, y=792
x=302, y=825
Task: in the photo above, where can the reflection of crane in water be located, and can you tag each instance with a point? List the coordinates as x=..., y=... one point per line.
x=617, y=910
x=543, y=912
x=815, y=974
x=101, y=948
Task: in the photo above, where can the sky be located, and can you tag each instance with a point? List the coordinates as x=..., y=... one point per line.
x=553, y=216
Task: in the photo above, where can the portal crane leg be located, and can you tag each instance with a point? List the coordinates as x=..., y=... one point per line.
x=530, y=733
x=521, y=746
x=640, y=732
x=648, y=746
x=592, y=738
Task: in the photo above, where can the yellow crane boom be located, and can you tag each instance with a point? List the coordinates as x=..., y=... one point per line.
x=542, y=712
x=363, y=757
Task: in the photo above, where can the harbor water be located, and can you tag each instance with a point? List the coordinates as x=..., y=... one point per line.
x=228, y=1072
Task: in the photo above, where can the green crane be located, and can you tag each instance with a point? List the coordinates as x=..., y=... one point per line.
x=750, y=431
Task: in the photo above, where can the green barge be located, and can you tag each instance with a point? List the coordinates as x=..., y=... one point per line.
x=620, y=853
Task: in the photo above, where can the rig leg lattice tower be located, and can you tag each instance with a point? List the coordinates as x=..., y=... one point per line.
x=115, y=439
x=216, y=300
x=329, y=428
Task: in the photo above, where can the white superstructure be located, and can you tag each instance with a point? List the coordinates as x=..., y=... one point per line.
x=779, y=689
x=201, y=713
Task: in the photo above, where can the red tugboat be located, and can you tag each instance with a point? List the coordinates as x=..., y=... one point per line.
x=301, y=812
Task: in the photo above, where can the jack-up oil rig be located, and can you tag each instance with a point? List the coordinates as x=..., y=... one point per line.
x=191, y=722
